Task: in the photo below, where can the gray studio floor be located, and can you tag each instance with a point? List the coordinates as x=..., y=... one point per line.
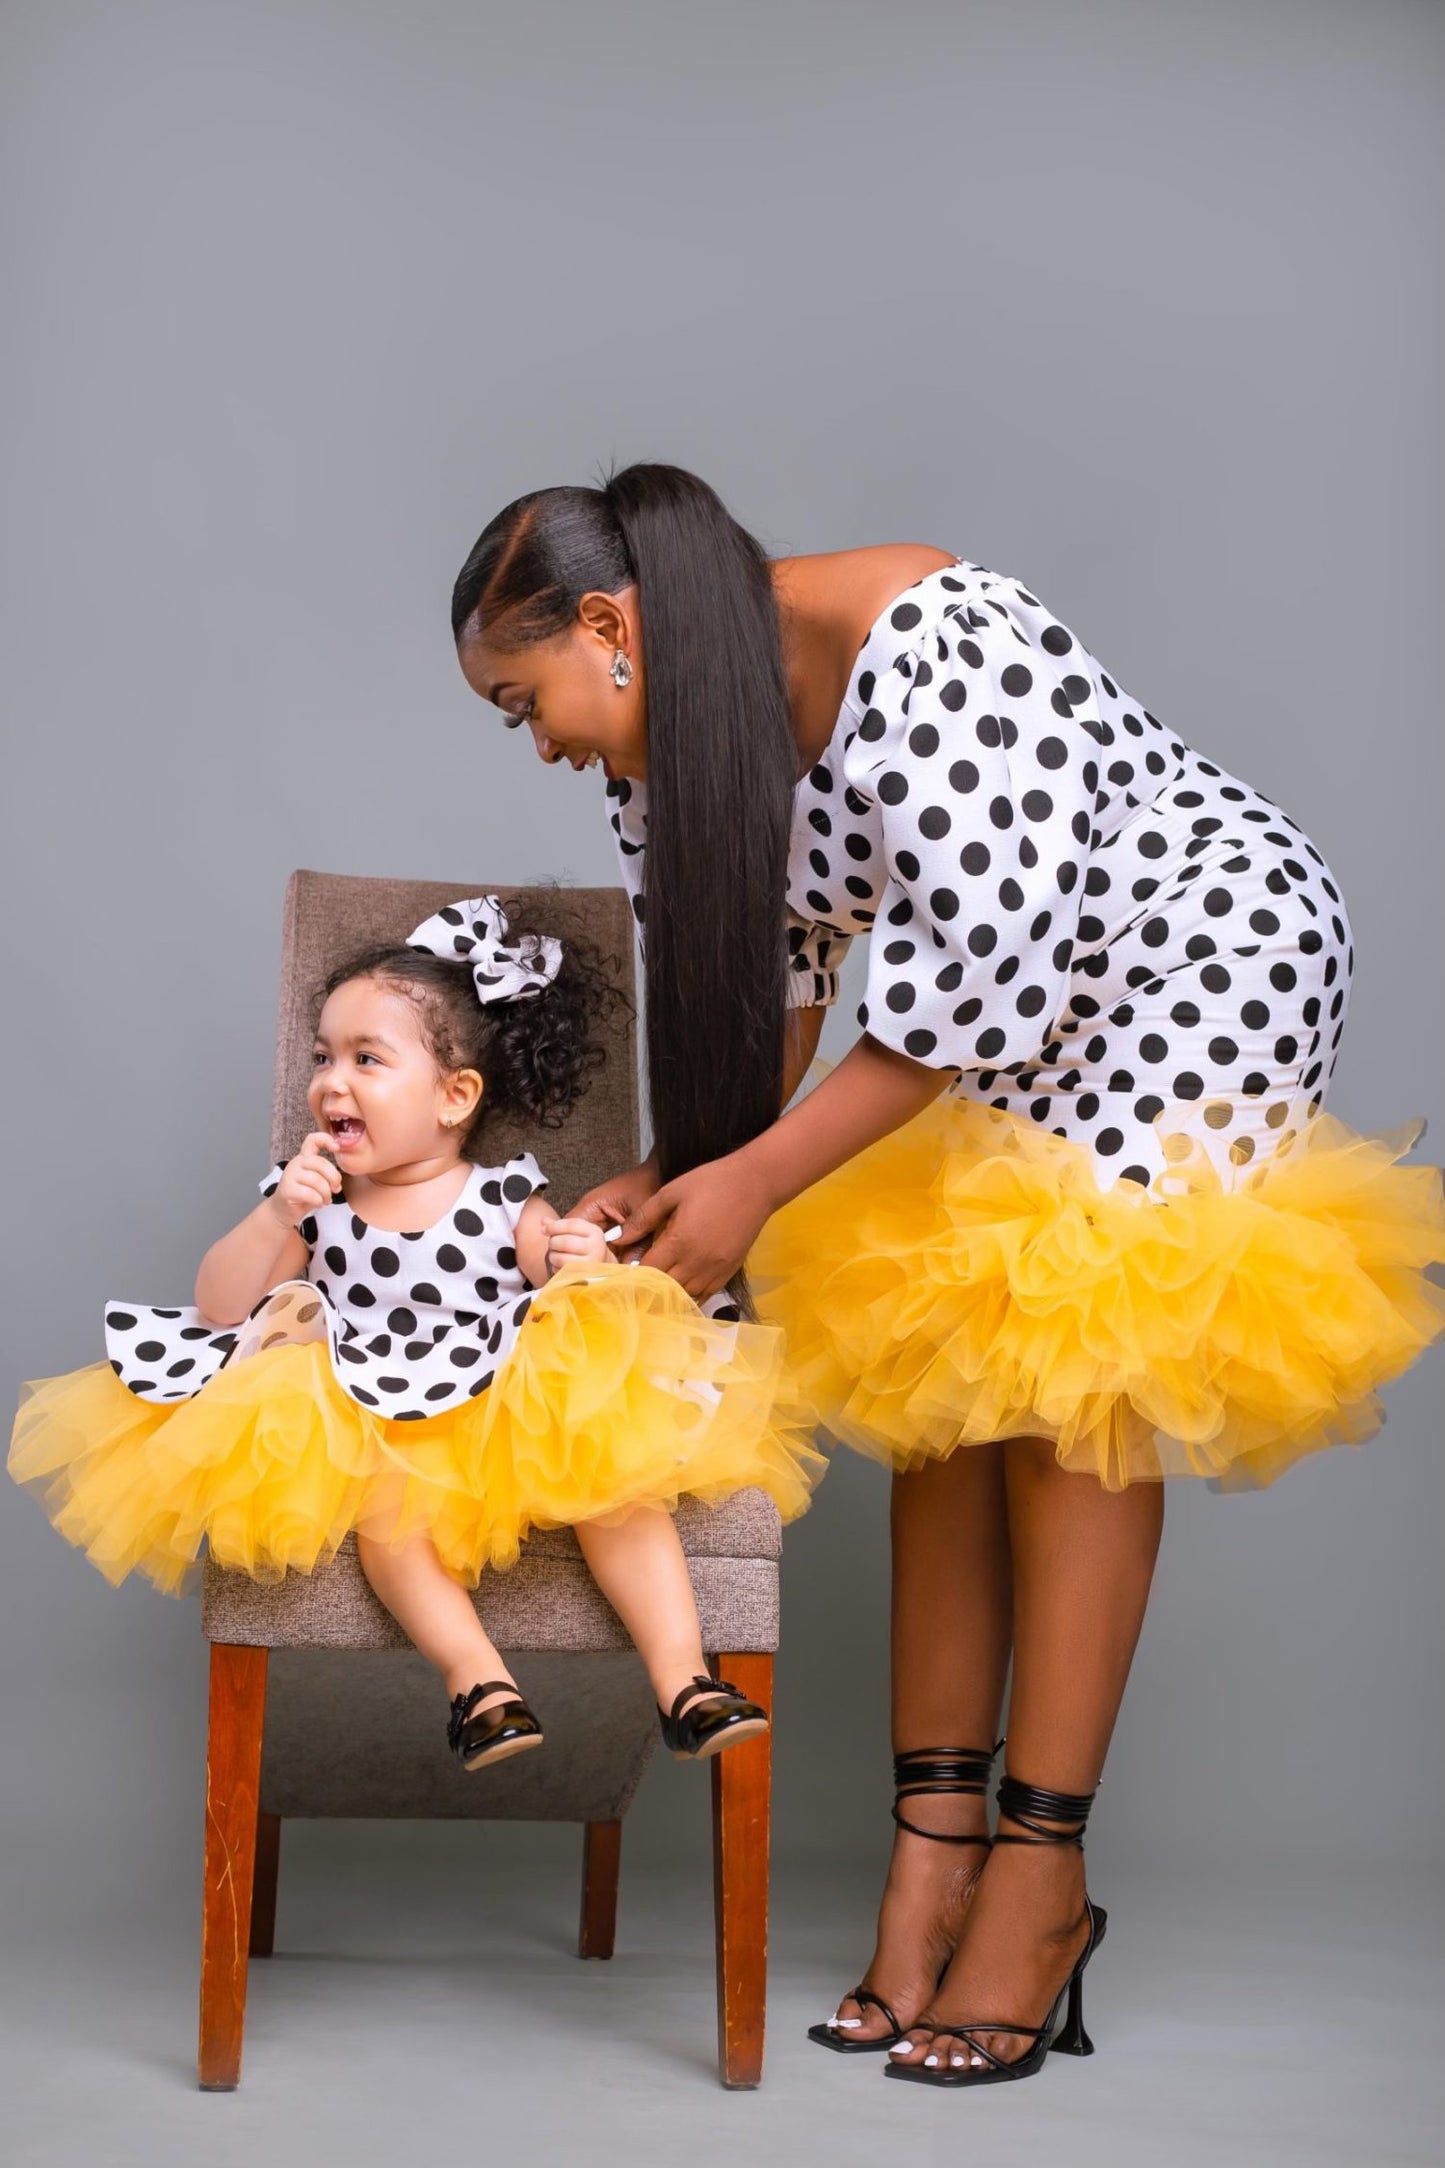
x=424, y=2004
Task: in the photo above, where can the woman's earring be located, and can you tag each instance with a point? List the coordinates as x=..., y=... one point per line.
x=621, y=670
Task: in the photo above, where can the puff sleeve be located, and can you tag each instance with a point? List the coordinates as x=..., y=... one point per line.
x=984, y=776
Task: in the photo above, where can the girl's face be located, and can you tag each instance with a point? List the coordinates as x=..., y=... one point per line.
x=563, y=688
x=375, y=1085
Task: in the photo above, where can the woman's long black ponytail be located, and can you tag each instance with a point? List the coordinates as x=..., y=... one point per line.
x=721, y=770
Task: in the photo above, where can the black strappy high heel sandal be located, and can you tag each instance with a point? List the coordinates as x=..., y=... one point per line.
x=925, y=1770
x=721, y=1715
x=1063, y=2029
x=509, y=1727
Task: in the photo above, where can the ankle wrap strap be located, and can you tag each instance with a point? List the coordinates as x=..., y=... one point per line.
x=930, y=1770
x=1032, y=1806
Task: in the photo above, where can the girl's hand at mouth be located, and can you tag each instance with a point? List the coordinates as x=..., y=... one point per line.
x=308, y=1181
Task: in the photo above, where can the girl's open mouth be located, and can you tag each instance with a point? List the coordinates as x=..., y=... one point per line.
x=347, y=1131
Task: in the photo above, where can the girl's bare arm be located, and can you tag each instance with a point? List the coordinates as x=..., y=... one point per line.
x=265, y=1248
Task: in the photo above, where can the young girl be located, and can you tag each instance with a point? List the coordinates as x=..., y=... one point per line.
x=365, y=1353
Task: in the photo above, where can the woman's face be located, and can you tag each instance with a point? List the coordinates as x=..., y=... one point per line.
x=563, y=688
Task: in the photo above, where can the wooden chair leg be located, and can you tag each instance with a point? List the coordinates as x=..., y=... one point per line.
x=741, y=1798
x=263, y=1886
x=601, y=1862
x=233, y=1785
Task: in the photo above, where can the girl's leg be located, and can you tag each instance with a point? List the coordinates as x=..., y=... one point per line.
x=434, y=1612
x=639, y=1565
x=952, y=1596
x=1083, y=1559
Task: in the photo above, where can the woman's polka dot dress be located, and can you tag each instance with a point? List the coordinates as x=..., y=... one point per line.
x=1088, y=924
x=417, y=1323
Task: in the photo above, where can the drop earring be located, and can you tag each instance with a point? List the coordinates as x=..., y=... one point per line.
x=621, y=670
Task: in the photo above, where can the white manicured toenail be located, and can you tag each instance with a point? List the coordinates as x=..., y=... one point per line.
x=843, y=2023
x=930, y=2062
x=975, y=2062
x=904, y=2047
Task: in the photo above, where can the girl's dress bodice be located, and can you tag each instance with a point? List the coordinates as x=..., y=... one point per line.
x=416, y=1322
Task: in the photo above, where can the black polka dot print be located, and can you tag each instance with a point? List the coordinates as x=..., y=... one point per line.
x=409, y=1317
x=1086, y=922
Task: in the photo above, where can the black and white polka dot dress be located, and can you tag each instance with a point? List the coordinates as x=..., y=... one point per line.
x=1084, y=920
x=1135, y=969
x=415, y=1322
x=412, y=1384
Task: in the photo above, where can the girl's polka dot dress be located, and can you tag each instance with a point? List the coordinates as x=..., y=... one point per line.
x=414, y=1322
x=411, y=1384
x=1134, y=971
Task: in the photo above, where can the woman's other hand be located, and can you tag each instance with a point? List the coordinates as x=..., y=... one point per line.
x=612, y=1201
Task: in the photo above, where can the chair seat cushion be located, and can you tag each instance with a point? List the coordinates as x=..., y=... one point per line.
x=548, y=1600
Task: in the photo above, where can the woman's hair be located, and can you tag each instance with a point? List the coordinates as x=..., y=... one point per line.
x=721, y=771
x=536, y=1056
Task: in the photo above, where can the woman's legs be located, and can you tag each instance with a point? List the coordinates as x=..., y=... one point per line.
x=434, y=1612
x=1083, y=1559
x=952, y=1597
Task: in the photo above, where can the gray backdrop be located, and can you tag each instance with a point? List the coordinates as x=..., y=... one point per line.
x=1140, y=302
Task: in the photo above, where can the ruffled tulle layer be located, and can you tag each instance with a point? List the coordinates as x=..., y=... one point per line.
x=618, y=1392
x=967, y=1279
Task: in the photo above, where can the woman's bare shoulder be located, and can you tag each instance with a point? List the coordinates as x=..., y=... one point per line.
x=888, y=565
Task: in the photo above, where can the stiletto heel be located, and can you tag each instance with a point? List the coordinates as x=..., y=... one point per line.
x=924, y=1772
x=1071, y=2038
x=1032, y=1808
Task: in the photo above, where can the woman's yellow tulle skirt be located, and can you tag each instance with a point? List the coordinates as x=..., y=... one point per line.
x=618, y=1392
x=967, y=1279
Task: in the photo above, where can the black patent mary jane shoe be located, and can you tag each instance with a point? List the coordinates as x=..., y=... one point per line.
x=720, y=1715
x=507, y=1728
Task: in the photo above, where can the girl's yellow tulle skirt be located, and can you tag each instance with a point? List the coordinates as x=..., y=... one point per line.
x=967, y=1279
x=618, y=1392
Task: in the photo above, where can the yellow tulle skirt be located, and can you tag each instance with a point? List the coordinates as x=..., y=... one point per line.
x=618, y=1392
x=967, y=1279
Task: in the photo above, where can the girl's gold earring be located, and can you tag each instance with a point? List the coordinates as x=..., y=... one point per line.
x=621, y=670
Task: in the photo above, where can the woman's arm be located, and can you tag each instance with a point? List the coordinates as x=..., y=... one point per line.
x=800, y=1044
x=614, y=1200
x=871, y=1092
x=704, y=1223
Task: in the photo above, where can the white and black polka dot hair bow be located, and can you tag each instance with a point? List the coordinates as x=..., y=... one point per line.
x=476, y=929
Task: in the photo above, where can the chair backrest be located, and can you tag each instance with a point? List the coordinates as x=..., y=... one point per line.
x=331, y=916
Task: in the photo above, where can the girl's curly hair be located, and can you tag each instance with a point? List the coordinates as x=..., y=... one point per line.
x=536, y=1057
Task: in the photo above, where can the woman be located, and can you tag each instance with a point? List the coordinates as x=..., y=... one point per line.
x=1066, y=1218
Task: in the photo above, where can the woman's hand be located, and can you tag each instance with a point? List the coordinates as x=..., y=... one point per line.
x=702, y=1225
x=611, y=1202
